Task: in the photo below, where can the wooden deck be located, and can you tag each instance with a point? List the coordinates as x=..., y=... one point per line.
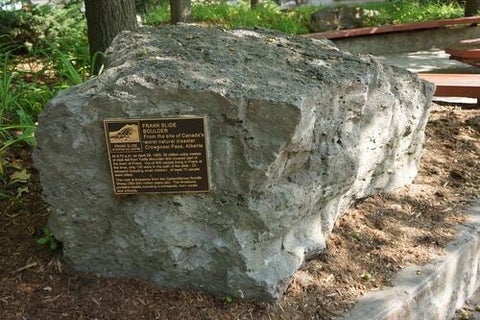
x=338, y=34
x=454, y=85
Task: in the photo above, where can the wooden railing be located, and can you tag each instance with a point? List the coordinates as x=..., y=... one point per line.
x=338, y=34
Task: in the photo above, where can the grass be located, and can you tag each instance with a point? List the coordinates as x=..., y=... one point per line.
x=395, y=12
x=234, y=16
x=296, y=21
x=268, y=16
x=42, y=51
x=20, y=103
x=26, y=84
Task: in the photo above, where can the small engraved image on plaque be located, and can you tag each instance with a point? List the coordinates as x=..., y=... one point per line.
x=127, y=133
x=158, y=155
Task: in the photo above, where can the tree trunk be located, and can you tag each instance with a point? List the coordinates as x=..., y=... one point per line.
x=471, y=8
x=105, y=19
x=181, y=11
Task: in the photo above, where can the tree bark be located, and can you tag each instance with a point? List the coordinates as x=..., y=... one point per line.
x=181, y=11
x=105, y=19
x=471, y=8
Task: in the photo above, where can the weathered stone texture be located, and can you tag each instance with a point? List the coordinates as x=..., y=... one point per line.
x=337, y=18
x=297, y=131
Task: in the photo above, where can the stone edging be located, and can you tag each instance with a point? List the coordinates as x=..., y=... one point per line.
x=433, y=291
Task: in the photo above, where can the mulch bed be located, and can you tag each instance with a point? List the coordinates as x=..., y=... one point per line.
x=372, y=241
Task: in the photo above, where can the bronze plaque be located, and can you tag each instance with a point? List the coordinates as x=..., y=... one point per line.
x=159, y=155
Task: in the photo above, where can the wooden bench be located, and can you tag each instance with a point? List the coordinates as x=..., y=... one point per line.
x=454, y=85
x=337, y=34
x=467, y=51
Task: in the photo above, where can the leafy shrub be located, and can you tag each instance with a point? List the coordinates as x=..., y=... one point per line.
x=297, y=20
x=42, y=49
x=268, y=15
x=44, y=26
x=395, y=12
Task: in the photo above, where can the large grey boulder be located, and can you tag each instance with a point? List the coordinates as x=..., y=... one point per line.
x=297, y=131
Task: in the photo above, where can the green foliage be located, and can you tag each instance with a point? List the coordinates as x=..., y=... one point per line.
x=42, y=50
x=229, y=16
x=19, y=106
x=72, y=71
x=48, y=239
x=296, y=20
x=40, y=27
x=15, y=181
x=405, y=11
x=267, y=16
x=159, y=15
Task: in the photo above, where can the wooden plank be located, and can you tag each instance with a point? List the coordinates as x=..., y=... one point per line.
x=464, y=53
x=337, y=34
x=454, y=85
x=468, y=44
x=467, y=51
x=473, y=62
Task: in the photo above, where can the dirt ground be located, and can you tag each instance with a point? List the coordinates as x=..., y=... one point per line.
x=373, y=240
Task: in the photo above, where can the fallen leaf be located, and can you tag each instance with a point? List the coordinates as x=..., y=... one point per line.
x=366, y=276
x=20, y=177
x=22, y=190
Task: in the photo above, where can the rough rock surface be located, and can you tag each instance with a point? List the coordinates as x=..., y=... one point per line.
x=297, y=129
x=337, y=18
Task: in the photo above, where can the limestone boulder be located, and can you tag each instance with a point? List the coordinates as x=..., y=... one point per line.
x=297, y=131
